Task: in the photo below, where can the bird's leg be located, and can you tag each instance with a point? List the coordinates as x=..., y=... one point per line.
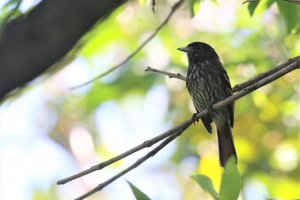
x=195, y=118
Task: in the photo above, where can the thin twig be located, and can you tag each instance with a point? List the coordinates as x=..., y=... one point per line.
x=173, y=9
x=136, y=164
x=153, y=5
x=249, y=1
x=171, y=75
x=290, y=67
x=294, y=1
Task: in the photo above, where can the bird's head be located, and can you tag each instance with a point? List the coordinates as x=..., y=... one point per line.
x=199, y=51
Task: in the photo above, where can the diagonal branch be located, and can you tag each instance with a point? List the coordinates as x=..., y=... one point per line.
x=39, y=39
x=104, y=164
x=265, y=74
x=137, y=163
x=237, y=87
x=291, y=1
x=176, y=131
x=173, y=9
x=294, y=1
x=153, y=5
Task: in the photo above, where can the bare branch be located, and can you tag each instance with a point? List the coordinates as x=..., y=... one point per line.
x=137, y=163
x=176, y=131
x=104, y=164
x=292, y=1
x=249, y=1
x=260, y=76
x=171, y=75
x=237, y=87
x=153, y=5
x=173, y=9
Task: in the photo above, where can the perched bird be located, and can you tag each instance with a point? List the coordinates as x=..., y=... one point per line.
x=208, y=83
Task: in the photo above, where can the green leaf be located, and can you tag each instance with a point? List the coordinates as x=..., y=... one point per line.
x=194, y=6
x=9, y=11
x=139, y=195
x=231, y=181
x=206, y=184
x=259, y=6
x=290, y=13
x=252, y=6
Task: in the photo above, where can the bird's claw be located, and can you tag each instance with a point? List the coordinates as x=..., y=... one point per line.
x=195, y=118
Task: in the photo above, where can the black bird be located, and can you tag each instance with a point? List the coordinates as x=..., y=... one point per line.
x=208, y=83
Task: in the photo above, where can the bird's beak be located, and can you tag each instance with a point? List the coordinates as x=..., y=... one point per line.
x=185, y=49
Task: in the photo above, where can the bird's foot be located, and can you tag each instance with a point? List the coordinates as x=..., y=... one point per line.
x=195, y=118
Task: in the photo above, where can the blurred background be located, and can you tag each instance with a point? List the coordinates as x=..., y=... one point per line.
x=50, y=132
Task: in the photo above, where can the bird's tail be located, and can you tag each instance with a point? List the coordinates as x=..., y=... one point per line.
x=225, y=143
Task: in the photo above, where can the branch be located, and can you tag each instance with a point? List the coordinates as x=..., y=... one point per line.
x=292, y=1
x=137, y=163
x=237, y=87
x=249, y=1
x=176, y=131
x=261, y=76
x=44, y=35
x=171, y=75
x=173, y=9
x=153, y=5
x=104, y=164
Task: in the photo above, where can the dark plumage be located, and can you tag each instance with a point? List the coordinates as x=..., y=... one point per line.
x=208, y=83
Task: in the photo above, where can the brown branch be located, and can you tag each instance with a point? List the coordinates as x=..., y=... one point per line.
x=265, y=74
x=153, y=5
x=137, y=163
x=237, y=87
x=171, y=75
x=292, y=1
x=104, y=164
x=176, y=131
x=173, y=9
x=43, y=34
x=249, y=1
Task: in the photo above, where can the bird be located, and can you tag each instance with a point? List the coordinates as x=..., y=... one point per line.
x=208, y=83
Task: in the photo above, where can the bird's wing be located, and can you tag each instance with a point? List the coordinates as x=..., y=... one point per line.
x=218, y=67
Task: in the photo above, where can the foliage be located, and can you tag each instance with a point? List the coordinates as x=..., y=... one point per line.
x=230, y=185
x=206, y=184
x=9, y=11
x=138, y=194
x=290, y=12
x=229, y=190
